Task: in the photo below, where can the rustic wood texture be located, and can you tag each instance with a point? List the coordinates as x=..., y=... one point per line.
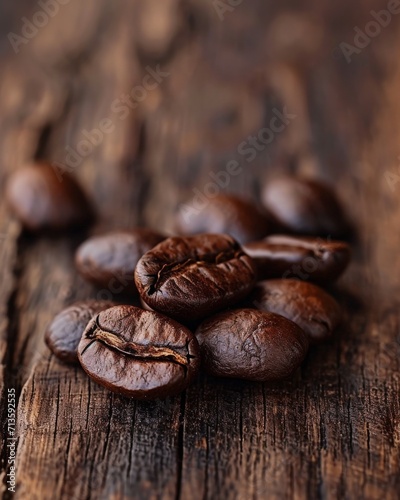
x=331, y=432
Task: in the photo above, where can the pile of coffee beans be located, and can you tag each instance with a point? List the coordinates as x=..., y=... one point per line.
x=236, y=293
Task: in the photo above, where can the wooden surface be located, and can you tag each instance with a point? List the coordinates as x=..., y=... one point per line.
x=334, y=430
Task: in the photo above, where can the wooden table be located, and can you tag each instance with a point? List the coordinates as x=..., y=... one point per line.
x=331, y=432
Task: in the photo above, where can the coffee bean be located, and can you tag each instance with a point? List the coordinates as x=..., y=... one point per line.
x=305, y=206
x=139, y=353
x=310, y=307
x=65, y=331
x=193, y=277
x=42, y=200
x=251, y=345
x=109, y=260
x=305, y=258
x=226, y=214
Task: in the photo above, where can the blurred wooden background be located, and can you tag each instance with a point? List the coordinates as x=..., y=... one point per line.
x=225, y=69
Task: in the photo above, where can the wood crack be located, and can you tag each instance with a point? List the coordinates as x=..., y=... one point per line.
x=180, y=447
x=10, y=370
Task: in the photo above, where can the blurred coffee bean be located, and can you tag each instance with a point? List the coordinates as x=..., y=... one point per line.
x=225, y=214
x=308, y=305
x=251, y=345
x=45, y=198
x=109, y=260
x=305, y=206
x=302, y=257
x=65, y=331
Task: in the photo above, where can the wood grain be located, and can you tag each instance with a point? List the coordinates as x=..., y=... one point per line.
x=331, y=432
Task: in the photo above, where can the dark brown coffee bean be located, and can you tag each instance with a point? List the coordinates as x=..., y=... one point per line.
x=300, y=257
x=251, y=345
x=139, y=353
x=193, y=277
x=109, y=260
x=310, y=307
x=305, y=206
x=226, y=214
x=43, y=198
x=65, y=331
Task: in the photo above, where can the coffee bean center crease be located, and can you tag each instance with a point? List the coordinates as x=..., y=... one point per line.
x=178, y=268
x=136, y=350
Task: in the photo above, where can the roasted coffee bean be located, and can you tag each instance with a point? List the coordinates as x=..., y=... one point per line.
x=251, y=345
x=109, y=260
x=193, y=277
x=65, y=331
x=310, y=307
x=139, y=353
x=44, y=199
x=305, y=206
x=226, y=214
x=300, y=257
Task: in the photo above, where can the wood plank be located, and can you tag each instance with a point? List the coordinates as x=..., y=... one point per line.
x=333, y=431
